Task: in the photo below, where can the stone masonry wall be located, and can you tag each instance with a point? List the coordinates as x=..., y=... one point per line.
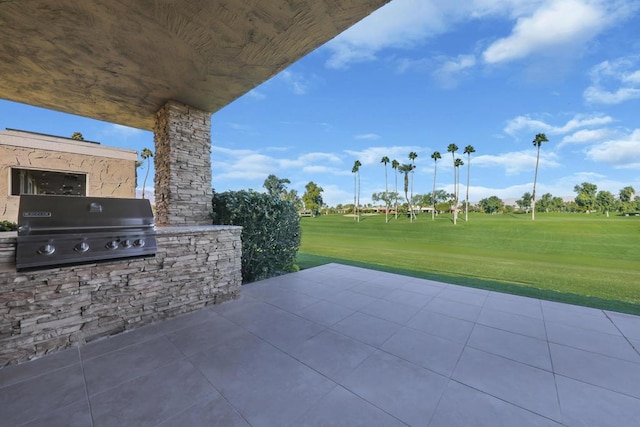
x=183, y=165
x=49, y=310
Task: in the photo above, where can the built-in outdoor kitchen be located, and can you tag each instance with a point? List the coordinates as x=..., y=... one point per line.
x=80, y=268
x=45, y=309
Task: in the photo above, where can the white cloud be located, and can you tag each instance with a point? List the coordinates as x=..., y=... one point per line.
x=614, y=82
x=526, y=123
x=368, y=136
x=247, y=165
x=230, y=151
x=555, y=24
x=372, y=155
x=581, y=120
x=516, y=162
x=621, y=153
x=317, y=156
x=597, y=95
x=585, y=136
x=296, y=81
x=398, y=24
x=402, y=24
x=477, y=193
x=521, y=124
x=124, y=131
x=333, y=195
x=540, y=26
x=251, y=166
x=452, y=69
x=406, y=64
x=256, y=94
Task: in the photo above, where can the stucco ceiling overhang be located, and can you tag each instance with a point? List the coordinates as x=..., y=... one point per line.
x=120, y=61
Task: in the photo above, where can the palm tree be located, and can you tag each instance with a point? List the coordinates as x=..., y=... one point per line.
x=395, y=165
x=386, y=160
x=458, y=162
x=468, y=150
x=356, y=188
x=412, y=156
x=537, y=141
x=435, y=156
x=405, y=169
x=146, y=154
x=77, y=136
x=452, y=148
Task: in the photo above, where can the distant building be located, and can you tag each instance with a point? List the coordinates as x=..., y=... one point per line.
x=34, y=163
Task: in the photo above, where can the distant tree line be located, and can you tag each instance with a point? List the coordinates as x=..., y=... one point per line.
x=438, y=201
x=311, y=201
x=588, y=200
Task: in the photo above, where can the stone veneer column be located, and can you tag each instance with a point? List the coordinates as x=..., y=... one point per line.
x=183, y=165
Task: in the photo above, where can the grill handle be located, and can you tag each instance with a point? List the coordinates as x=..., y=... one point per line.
x=26, y=229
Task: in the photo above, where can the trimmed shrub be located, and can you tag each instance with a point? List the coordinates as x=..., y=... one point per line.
x=270, y=234
x=8, y=226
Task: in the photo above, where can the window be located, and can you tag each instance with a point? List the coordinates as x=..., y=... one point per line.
x=33, y=181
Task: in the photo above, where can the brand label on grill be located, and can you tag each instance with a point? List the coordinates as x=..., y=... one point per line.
x=41, y=214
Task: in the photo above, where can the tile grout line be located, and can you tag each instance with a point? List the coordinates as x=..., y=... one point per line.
x=133, y=378
x=464, y=347
x=621, y=333
x=601, y=387
x=508, y=402
x=86, y=388
x=203, y=399
x=553, y=369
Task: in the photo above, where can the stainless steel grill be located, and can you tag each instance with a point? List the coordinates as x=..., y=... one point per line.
x=63, y=230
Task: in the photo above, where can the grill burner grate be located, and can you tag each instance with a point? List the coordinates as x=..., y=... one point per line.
x=64, y=230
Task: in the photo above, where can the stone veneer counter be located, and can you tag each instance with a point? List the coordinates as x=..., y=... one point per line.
x=48, y=310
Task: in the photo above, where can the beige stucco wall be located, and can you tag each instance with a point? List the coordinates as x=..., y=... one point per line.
x=110, y=171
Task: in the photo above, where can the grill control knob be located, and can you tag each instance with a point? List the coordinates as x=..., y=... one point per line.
x=139, y=243
x=81, y=247
x=47, y=249
x=126, y=243
x=112, y=245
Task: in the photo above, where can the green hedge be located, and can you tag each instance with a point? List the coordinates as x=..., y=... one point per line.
x=8, y=226
x=270, y=234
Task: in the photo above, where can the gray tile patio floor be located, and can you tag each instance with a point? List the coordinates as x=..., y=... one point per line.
x=343, y=346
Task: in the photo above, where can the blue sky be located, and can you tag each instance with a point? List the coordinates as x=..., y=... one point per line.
x=418, y=75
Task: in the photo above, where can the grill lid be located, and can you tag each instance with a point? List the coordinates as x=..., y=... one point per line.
x=48, y=213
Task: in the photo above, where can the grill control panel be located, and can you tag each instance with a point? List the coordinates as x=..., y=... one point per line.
x=78, y=249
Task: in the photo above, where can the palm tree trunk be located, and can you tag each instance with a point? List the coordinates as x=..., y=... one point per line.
x=396, y=194
x=455, y=195
x=433, y=192
x=455, y=192
x=466, y=209
x=406, y=196
x=412, y=214
x=386, y=196
x=355, y=206
x=146, y=175
x=535, y=179
x=358, y=173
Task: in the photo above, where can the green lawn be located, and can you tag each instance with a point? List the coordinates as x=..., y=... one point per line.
x=585, y=259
